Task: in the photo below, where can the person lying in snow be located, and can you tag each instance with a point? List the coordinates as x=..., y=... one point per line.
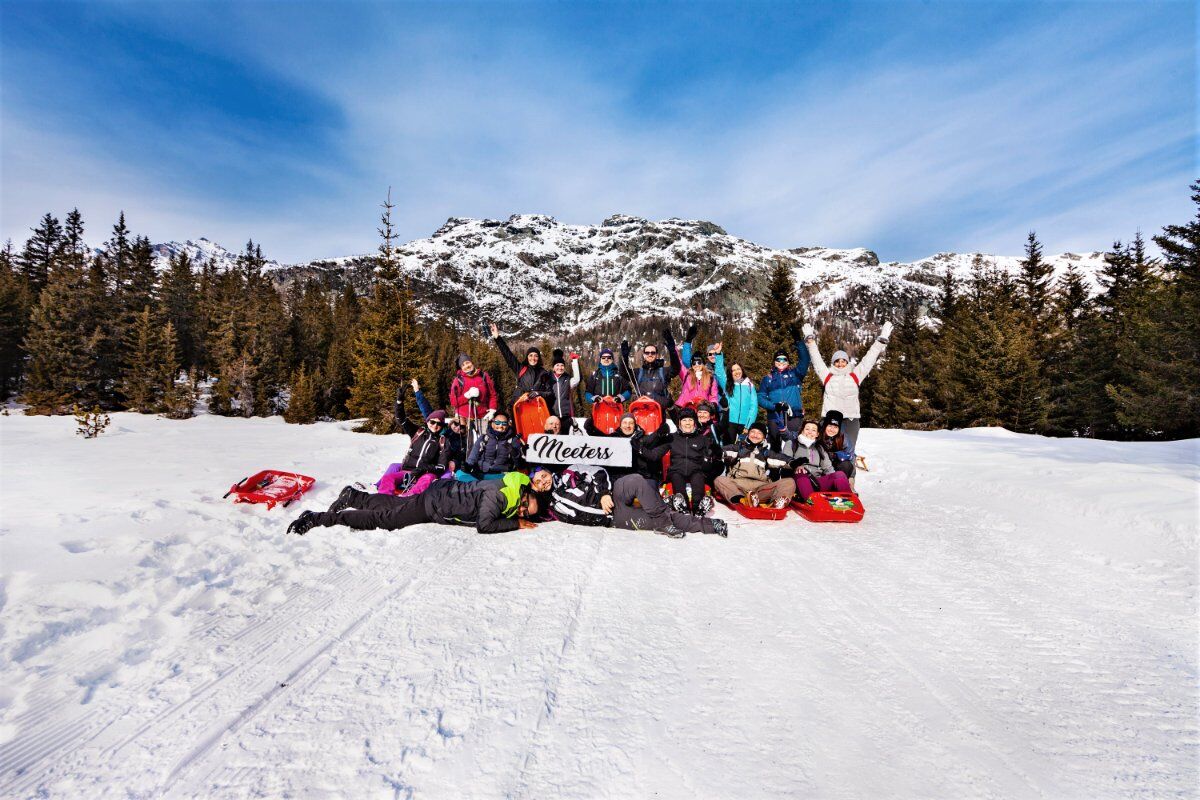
x=490, y=506
x=841, y=381
x=814, y=469
x=494, y=453
x=587, y=495
x=754, y=469
x=648, y=448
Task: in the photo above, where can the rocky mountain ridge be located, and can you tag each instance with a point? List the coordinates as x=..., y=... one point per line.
x=536, y=276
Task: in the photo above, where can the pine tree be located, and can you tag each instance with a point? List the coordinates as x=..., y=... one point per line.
x=74, y=248
x=1158, y=393
x=179, y=301
x=338, y=373
x=1035, y=278
x=16, y=301
x=150, y=363
x=302, y=403
x=41, y=252
x=390, y=347
x=62, y=347
x=776, y=326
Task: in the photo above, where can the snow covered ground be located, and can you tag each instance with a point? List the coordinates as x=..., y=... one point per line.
x=1016, y=617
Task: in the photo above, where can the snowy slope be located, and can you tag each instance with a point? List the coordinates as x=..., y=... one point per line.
x=536, y=275
x=1014, y=618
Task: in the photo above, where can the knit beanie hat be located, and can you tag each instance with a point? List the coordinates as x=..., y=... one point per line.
x=606, y=352
x=437, y=416
x=839, y=354
x=688, y=413
x=463, y=358
x=758, y=426
x=558, y=358
x=781, y=352
x=627, y=415
x=697, y=359
x=833, y=417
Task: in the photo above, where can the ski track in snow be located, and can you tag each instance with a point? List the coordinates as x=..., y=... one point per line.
x=1005, y=623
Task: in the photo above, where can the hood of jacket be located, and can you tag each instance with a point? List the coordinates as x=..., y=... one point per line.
x=513, y=482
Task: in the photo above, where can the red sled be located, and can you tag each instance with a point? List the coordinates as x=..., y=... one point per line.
x=647, y=412
x=270, y=486
x=831, y=507
x=530, y=416
x=606, y=414
x=756, y=512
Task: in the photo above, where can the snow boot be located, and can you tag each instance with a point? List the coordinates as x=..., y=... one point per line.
x=705, y=506
x=344, y=500
x=673, y=532
x=720, y=528
x=303, y=523
x=678, y=503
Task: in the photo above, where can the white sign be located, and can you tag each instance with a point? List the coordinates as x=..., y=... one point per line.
x=602, y=451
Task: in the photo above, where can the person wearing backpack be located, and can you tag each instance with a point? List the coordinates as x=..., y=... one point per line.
x=815, y=470
x=607, y=381
x=779, y=394
x=841, y=380
x=428, y=449
x=753, y=474
x=494, y=453
x=652, y=378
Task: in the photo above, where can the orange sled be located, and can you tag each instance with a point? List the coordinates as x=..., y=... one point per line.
x=270, y=486
x=606, y=414
x=530, y=416
x=647, y=412
x=831, y=507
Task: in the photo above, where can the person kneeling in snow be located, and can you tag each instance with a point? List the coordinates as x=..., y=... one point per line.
x=753, y=475
x=490, y=506
x=814, y=469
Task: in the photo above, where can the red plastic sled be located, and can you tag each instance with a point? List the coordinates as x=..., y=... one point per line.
x=530, y=416
x=647, y=412
x=831, y=507
x=756, y=512
x=270, y=486
x=606, y=415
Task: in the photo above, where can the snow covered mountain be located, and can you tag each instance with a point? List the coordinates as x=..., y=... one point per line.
x=535, y=275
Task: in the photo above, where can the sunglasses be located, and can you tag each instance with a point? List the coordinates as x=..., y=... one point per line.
x=712, y=355
x=606, y=358
x=649, y=352
x=433, y=423
x=499, y=423
x=456, y=424
x=781, y=360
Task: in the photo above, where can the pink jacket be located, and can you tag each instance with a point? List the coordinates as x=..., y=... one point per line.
x=693, y=393
x=485, y=402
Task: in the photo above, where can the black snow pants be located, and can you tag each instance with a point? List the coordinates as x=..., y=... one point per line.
x=369, y=511
x=654, y=513
x=680, y=483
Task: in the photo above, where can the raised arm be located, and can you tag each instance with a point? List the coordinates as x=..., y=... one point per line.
x=672, y=352
x=505, y=352
x=402, y=419
x=810, y=342
x=719, y=367
x=422, y=403
x=863, y=368
x=574, y=371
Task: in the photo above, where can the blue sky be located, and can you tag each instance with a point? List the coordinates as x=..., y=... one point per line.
x=908, y=128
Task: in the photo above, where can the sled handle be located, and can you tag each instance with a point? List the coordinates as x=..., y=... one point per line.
x=235, y=486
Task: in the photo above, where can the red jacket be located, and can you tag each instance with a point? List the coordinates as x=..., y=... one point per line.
x=487, y=394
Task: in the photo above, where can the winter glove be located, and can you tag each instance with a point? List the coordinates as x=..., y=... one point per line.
x=471, y=393
x=797, y=463
x=886, y=332
x=781, y=406
x=488, y=416
x=809, y=333
x=691, y=333
x=624, y=350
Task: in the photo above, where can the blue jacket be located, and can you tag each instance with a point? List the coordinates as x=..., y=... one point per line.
x=743, y=403
x=845, y=454
x=784, y=387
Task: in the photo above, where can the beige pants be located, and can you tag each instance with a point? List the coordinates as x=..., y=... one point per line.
x=767, y=492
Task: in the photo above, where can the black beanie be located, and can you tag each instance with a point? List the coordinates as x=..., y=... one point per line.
x=688, y=413
x=758, y=426
x=833, y=417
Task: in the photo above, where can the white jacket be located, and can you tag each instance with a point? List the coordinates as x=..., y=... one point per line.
x=841, y=385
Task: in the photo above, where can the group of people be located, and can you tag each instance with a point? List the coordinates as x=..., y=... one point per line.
x=468, y=467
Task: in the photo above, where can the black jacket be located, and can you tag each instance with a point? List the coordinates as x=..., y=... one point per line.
x=654, y=379
x=576, y=495
x=648, y=450
x=479, y=503
x=693, y=452
x=428, y=451
x=536, y=380
x=496, y=453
